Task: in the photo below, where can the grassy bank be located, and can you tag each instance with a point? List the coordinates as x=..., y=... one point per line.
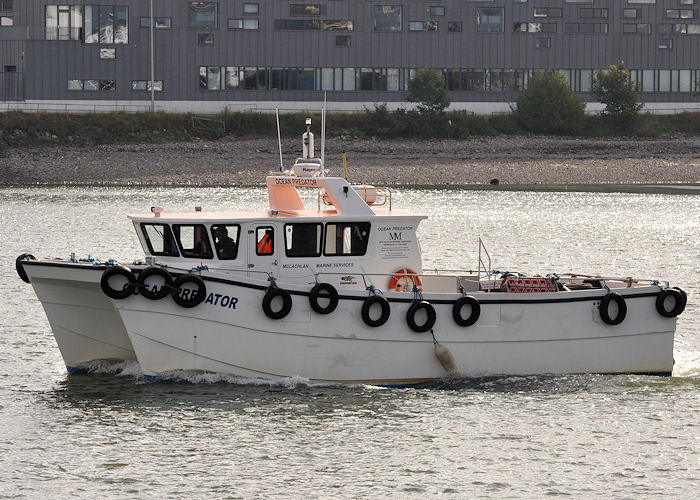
x=19, y=129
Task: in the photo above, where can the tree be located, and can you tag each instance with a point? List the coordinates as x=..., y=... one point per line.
x=548, y=105
x=428, y=89
x=615, y=89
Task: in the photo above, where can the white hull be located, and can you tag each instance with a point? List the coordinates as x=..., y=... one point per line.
x=82, y=318
x=558, y=332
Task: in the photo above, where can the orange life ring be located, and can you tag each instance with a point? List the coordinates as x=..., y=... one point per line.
x=407, y=278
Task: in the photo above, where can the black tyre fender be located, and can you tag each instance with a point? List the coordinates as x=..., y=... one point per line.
x=271, y=294
x=457, y=310
x=680, y=300
x=605, y=306
x=20, y=269
x=330, y=292
x=118, y=271
x=193, y=299
x=154, y=271
x=367, y=305
x=411, y=316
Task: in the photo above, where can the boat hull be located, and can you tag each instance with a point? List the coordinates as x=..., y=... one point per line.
x=542, y=333
x=83, y=320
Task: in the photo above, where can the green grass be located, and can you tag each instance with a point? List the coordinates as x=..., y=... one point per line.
x=20, y=129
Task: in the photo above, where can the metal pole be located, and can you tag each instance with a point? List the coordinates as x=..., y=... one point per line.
x=153, y=68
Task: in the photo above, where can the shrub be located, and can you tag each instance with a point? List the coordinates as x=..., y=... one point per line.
x=428, y=89
x=548, y=106
x=615, y=89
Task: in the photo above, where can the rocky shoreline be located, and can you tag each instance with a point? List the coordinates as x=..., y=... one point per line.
x=516, y=161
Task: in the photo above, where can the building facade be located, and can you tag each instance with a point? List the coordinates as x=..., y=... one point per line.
x=208, y=54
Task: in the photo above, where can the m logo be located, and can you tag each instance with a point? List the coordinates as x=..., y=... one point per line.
x=394, y=236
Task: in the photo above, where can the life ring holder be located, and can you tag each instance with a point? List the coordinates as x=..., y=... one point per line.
x=605, y=308
x=405, y=274
x=163, y=292
x=194, y=299
x=330, y=293
x=113, y=293
x=679, y=297
x=457, y=310
x=429, y=311
x=273, y=291
x=18, y=265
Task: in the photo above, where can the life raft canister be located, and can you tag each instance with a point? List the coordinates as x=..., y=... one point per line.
x=407, y=278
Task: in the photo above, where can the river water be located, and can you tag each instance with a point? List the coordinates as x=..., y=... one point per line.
x=110, y=434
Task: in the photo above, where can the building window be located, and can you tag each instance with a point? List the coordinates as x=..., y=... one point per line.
x=422, y=26
x=243, y=24
x=454, y=27
x=160, y=22
x=202, y=14
x=251, y=8
x=665, y=43
x=437, y=11
x=535, y=27
x=338, y=25
x=387, y=18
x=586, y=27
x=342, y=41
x=296, y=24
x=629, y=13
x=92, y=85
x=539, y=12
x=10, y=68
x=543, y=43
x=641, y=28
x=64, y=22
x=108, y=53
x=105, y=24
x=599, y=13
x=306, y=9
x=489, y=20
x=7, y=21
x=680, y=14
x=205, y=38
x=5, y=4
x=145, y=85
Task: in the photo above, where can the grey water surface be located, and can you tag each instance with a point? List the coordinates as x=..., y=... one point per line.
x=109, y=434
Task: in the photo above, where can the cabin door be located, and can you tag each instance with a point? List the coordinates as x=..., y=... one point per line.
x=263, y=250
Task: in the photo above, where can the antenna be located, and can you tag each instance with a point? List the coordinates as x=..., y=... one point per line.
x=279, y=139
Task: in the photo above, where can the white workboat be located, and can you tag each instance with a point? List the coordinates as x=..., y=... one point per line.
x=330, y=287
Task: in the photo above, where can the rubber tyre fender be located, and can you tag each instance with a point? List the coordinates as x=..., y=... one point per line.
x=18, y=265
x=270, y=295
x=684, y=296
x=367, y=305
x=678, y=306
x=118, y=271
x=191, y=301
x=457, y=310
x=154, y=271
x=332, y=296
x=621, y=306
x=411, y=316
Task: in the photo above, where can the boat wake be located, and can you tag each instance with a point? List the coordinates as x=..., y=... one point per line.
x=687, y=364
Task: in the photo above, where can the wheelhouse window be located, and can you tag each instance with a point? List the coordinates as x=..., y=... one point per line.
x=346, y=238
x=303, y=240
x=265, y=237
x=226, y=239
x=159, y=239
x=193, y=241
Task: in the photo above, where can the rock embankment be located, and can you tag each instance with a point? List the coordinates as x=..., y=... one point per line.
x=513, y=160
